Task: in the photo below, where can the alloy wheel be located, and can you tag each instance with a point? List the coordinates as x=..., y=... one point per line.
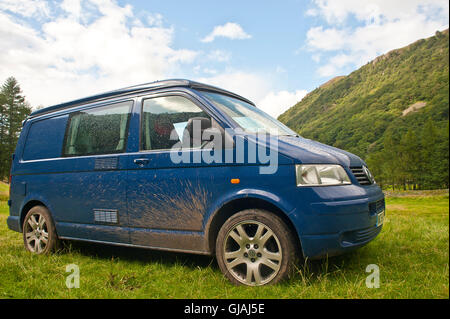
x=252, y=253
x=36, y=233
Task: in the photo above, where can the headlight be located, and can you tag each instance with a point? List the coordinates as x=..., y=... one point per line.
x=321, y=175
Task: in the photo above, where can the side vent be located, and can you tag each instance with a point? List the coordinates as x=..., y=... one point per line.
x=106, y=163
x=106, y=216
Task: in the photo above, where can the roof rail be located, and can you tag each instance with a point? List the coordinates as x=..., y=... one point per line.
x=135, y=89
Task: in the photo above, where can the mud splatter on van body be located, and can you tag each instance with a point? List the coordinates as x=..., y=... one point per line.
x=181, y=210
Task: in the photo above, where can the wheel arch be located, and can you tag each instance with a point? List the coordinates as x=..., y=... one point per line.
x=238, y=204
x=26, y=208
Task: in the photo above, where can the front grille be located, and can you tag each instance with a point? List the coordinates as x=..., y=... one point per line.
x=360, y=175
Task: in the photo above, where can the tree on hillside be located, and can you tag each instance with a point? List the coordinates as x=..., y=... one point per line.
x=429, y=137
x=444, y=151
x=409, y=159
x=13, y=110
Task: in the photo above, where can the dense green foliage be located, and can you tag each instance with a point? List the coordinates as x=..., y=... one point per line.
x=13, y=110
x=364, y=114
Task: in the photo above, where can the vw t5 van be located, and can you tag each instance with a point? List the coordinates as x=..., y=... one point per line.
x=182, y=166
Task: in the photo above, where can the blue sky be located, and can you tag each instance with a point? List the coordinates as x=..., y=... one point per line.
x=272, y=52
x=278, y=32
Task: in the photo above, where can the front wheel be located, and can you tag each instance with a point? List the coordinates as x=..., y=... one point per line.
x=39, y=233
x=255, y=248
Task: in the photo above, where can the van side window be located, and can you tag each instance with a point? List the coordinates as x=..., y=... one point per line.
x=101, y=130
x=45, y=138
x=165, y=115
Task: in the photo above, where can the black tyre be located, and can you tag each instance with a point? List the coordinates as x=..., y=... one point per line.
x=255, y=247
x=39, y=233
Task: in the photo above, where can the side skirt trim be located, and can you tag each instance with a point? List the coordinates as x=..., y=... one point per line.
x=137, y=246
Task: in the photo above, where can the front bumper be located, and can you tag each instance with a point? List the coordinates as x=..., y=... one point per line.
x=321, y=246
x=333, y=227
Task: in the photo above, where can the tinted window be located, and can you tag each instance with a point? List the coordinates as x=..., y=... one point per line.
x=164, y=115
x=98, y=131
x=45, y=138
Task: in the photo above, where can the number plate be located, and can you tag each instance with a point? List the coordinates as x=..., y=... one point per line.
x=380, y=218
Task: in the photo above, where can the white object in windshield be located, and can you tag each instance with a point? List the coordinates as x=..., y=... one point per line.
x=247, y=116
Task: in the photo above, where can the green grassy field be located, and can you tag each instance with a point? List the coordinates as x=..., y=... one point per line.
x=4, y=190
x=412, y=252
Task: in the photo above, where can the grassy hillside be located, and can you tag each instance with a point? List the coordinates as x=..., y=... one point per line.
x=389, y=112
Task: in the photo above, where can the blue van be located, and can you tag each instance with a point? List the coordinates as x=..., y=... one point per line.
x=182, y=166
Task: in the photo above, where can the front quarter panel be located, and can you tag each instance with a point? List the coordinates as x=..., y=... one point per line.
x=270, y=188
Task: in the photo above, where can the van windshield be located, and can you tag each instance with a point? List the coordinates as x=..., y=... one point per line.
x=248, y=117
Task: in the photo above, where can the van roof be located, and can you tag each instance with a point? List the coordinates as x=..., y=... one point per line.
x=134, y=89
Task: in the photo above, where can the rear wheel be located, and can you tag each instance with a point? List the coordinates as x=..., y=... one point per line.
x=39, y=234
x=255, y=247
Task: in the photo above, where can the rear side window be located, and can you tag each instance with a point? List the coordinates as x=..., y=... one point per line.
x=102, y=130
x=164, y=115
x=45, y=139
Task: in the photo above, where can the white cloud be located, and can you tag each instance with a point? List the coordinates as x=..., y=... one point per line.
x=72, y=7
x=155, y=19
x=375, y=11
x=26, y=8
x=209, y=71
x=67, y=58
x=229, y=30
x=383, y=25
x=257, y=89
x=327, y=40
x=327, y=70
x=276, y=103
x=316, y=57
x=219, y=56
x=95, y=45
x=250, y=85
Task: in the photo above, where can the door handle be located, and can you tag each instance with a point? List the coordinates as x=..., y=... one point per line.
x=141, y=161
